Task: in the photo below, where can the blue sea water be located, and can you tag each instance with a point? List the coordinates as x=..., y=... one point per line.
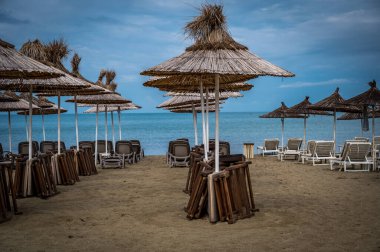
x=155, y=130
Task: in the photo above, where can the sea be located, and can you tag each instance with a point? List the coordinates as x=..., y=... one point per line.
x=155, y=130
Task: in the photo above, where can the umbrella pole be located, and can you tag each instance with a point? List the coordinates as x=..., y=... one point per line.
x=106, y=129
x=30, y=122
x=334, y=136
x=113, y=132
x=373, y=139
x=195, y=125
x=118, y=115
x=10, y=131
x=59, y=123
x=304, y=132
x=96, y=134
x=217, y=123
x=207, y=118
x=76, y=122
x=203, y=121
x=26, y=125
x=43, y=125
x=282, y=132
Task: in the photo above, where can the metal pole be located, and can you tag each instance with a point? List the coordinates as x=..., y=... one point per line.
x=96, y=134
x=304, y=133
x=282, y=132
x=207, y=120
x=113, y=132
x=195, y=125
x=106, y=129
x=30, y=122
x=43, y=125
x=203, y=121
x=59, y=123
x=334, y=136
x=10, y=131
x=373, y=139
x=118, y=114
x=76, y=122
x=217, y=123
x=26, y=125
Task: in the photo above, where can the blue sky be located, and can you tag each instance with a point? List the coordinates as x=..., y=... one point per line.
x=325, y=43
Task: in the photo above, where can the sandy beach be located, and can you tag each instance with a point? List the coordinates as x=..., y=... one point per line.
x=140, y=208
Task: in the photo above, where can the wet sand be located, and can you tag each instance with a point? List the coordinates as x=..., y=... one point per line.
x=140, y=208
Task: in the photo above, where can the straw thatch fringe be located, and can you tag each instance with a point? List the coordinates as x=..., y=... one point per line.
x=7, y=98
x=75, y=61
x=56, y=51
x=35, y=50
x=185, y=100
x=369, y=98
x=281, y=112
x=304, y=108
x=15, y=65
x=113, y=108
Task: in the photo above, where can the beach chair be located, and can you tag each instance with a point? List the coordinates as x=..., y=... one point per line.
x=320, y=151
x=63, y=146
x=87, y=145
x=179, y=154
x=293, y=148
x=137, y=149
x=23, y=148
x=224, y=148
x=270, y=146
x=124, y=150
x=308, y=152
x=47, y=147
x=102, y=149
x=364, y=139
x=4, y=155
x=354, y=153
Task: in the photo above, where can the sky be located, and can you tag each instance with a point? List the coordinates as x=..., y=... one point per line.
x=327, y=44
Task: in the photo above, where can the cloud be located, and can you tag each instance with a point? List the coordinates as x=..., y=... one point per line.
x=7, y=18
x=315, y=84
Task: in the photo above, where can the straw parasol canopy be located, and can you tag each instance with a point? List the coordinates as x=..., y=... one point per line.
x=14, y=65
x=7, y=98
x=198, y=109
x=282, y=113
x=40, y=101
x=184, y=100
x=16, y=105
x=44, y=111
x=113, y=108
x=191, y=83
x=334, y=102
x=228, y=94
x=369, y=98
x=356, y=116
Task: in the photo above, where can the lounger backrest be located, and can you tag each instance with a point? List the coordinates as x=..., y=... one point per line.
x=324, y=148
x=181, y=149
x=63, y=146
x=376, y=142
x=1, y=152
x=47, y=146
x=294, y=143
x=123, y=147
x=271, y=144
x=23, y=148
x=364, y=139
x=87, y=145
x=358, y=151
x=224, y=148
x=102, y=146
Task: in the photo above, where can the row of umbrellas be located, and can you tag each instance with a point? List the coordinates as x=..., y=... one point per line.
x=354, y=108
x=33, y=70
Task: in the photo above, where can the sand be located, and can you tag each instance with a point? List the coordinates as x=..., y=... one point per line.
x=140, y=208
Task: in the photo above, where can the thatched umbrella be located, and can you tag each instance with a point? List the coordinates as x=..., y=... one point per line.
x=371, y=99
x=281, y=112
x=190, y=110
x=112, y=108
x=14, y=65
x=334, y=103
x=105, y=99
x=52, y=110
x=215, y=54
x=359, y=116
x=92, y=89
x=11, y=102
x=304, y=108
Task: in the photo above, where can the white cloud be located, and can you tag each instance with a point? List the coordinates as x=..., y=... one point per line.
x=317, y=83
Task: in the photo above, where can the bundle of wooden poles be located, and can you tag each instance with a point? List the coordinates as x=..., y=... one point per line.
x=226, y=195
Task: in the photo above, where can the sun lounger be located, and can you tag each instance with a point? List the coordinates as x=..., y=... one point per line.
x=47, y=147
x=124, y=150
x=23, y=148
x=179, y=154
x=63, y=146
x=364, y=139
x=3, y=154
x=308, y=152
x=102, y=149
x=270, y=147
x=320, y=151
x=87, y=145
x=354, y=153
x=137, y=149
x=293, y=148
